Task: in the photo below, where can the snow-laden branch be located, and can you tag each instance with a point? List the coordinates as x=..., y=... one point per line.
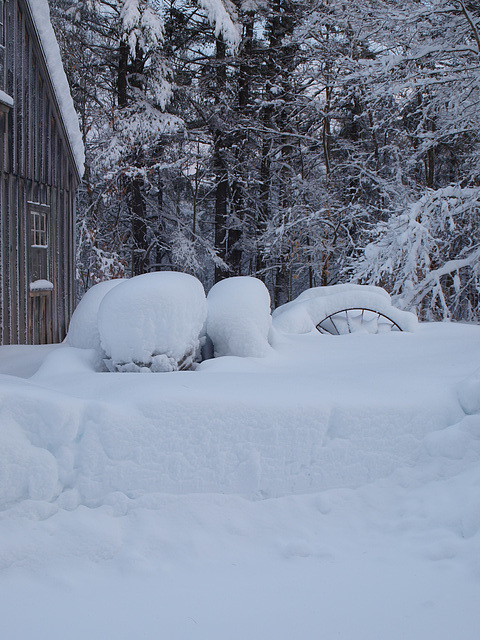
x=430, y=255
x=222, y=14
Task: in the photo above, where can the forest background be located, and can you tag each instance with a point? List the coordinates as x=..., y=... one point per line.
x=302, y=142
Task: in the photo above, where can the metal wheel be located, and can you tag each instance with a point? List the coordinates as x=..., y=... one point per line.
x=356, y=320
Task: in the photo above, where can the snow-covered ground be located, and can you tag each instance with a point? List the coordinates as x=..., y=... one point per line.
x=328, y=490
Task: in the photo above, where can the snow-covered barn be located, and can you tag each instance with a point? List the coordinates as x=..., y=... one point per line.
x=41, y=163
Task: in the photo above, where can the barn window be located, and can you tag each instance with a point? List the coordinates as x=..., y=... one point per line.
x=39, y=229
x=39, y=215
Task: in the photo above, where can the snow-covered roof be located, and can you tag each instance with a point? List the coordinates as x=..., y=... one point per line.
x=41, y=17
x=5, y=99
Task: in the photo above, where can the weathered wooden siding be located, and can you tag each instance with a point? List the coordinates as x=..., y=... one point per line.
x=36, y=166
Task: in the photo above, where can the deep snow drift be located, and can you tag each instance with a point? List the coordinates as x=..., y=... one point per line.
x=238, y=318
x=153, y=321
x=330, y=488
x=314, y=305
x=83, y=330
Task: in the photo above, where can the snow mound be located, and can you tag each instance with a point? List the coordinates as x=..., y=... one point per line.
x=83, y=329
x=239, y=319
x=304, y=313
x=153, y=322
x=469, y=394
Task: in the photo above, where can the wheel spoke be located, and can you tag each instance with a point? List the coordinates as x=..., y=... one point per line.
x=335, y=326
x=366, y=320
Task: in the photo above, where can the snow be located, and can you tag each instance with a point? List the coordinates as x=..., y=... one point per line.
x=314, y=305
x=239, y=320
x=6, y=99
x=41, y=17
x=83, y=329
x=223, y=15
x=420, y=252
x=41, y=285
x=332, y=485
x=153, y=322
x=134, y=19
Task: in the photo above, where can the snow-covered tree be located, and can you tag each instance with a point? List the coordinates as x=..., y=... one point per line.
x=136, y=158
x=271, y=138
x=429, y=257
x=428, y=59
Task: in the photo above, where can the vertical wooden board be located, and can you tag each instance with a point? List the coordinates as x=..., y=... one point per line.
x=28, y=106
x=24, y=88
x=23, y=284
x=60, y=160
x=36, y=127
x=54, y=254
x=61, y=261
x=30, y=301
x=16, y=238
x=9, y=141
x=9, y=49
x=2, y=260
x=67, y=260
x=2, y=65
x=41, y=129
x=43, y=193
x=2, y=231
x=70, y=247
x=3, y=118
x=70, y=241
x=31, y=114
x=69, y=257
x=40, y=102
x=19, y=84
x=6, y=261
x=47, y=176
x=13, y=260
x=31, y=320
x=14, y=40
x=26, y=198
x=73, y=242
x=28, y=260
x=49, y=336
x=53, y=151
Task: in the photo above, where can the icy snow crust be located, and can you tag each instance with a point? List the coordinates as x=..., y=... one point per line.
x=41, y=17
x=333, y=484
x=239, y=320
x=314, y=305
x=153, y=321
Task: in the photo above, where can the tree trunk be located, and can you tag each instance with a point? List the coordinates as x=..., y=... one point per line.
x=133, y=186
x=236, y=231
x=221, y=200
x=219, y=165
x=136, y=205
x=122, y=74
